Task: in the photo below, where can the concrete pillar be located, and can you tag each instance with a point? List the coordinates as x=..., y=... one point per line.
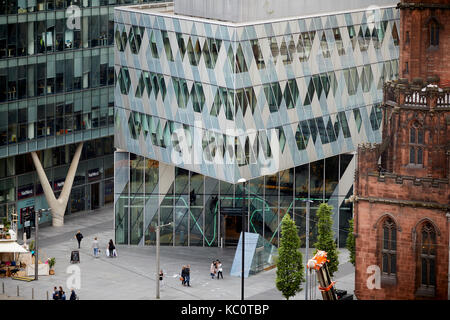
x=59, y=205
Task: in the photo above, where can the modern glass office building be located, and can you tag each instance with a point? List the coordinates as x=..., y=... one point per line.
x=280, y=101
x=56, y=90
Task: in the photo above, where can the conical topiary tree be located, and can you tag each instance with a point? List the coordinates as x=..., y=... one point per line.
x=290, y=269
x=350, y=244
x=325, y=237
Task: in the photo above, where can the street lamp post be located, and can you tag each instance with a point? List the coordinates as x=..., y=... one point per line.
x=243, y=180
x=37, y=215
x=158, y=228
x=308, y=205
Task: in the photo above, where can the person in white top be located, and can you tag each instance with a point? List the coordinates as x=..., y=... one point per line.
x=95, y=246
x=219, y=269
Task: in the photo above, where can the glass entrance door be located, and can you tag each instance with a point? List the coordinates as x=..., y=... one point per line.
x=95, y=196
x=232, y=225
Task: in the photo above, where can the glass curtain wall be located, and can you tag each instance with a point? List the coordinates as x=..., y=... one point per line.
x=194, y=203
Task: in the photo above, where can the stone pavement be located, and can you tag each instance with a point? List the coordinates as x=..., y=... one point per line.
x=132, y=274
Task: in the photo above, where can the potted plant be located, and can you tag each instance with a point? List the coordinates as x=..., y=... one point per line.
x=31, y=245
x=6, y=227
x=51, y=263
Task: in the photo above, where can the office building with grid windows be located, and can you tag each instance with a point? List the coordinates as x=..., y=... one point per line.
x=211, y=93
x=56, y=90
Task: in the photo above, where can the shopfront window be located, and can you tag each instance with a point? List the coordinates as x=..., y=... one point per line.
x=196, y=209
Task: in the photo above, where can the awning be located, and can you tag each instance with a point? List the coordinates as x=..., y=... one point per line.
x=11, y=247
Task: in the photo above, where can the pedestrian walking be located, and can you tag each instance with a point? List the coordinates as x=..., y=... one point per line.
x=219, y=269
x=55, y=294
x=73, y=295
x=79, y=237
x=183, y=275
x=161, y=277
x=62, y=294
x=187, y=273
x=111, y=248
x=95, y=247
x=215, y=266
x=212, y=270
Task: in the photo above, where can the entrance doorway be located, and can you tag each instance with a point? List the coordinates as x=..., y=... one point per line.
x=232, y=226
x=95, y=196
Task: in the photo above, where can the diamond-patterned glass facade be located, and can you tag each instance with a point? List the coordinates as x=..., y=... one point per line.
x=291, y=91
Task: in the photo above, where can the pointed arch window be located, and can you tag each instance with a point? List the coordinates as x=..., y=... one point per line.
x=426, y=259
x=389, y=248
x=416, y=144
x=434, y=33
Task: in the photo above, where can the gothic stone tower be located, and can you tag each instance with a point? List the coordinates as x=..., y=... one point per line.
x=402, y=194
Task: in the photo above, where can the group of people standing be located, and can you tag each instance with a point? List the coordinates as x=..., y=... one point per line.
x=110, y=248
x=186, y=275
x=216, y=268
x=59, y=294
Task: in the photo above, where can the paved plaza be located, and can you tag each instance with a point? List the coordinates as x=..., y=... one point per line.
x=131, y=275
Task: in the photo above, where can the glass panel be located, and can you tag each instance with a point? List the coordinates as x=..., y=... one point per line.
x=196, y=209
x=287, y=192
x=77, y=199
x=412, y=155
x=257, y=203
x=166, y=216
x=432, y=272
x=419, y=156
x=424, y=271
x=136, y=199
x=385, y=263
x=271, y=210
x=181, y=206
x=121, y=219
x=331, y=176
x=393, y=263
x=386, y=238
x=420, y=136
x=212, y=204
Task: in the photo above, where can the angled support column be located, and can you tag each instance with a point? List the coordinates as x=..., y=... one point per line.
x=58, y=205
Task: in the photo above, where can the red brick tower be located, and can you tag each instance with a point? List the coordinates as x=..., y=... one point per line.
x=425, y=46
x=402, y=193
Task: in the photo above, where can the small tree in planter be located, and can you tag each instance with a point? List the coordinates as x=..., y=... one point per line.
x=290, y=270
x=6, y=227
x=325, y=238
x=51, y=263
x=351, y=242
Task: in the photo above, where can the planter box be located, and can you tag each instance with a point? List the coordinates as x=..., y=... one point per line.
x=43, y=269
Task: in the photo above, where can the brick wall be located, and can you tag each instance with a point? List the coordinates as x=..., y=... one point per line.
x=368, y=243
x=423, y=60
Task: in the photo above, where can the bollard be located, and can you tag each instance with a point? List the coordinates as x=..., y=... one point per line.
x=3, y=288
x=47, y=295
x=17, y=290
x=32, y=293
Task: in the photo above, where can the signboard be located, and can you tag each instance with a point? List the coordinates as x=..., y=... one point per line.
x=58, y=184
x=25, y=192
x=230, y=211
x=94, y=174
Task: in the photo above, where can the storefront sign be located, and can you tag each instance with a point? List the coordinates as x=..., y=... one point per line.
x=93, y=174
x=25, y=192
x=58, y=184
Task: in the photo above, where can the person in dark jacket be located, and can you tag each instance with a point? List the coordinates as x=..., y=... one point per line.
x=187, y=272
x=183, y=275
x=73, y=295
x=55, y=294
x=79, y=236
x=62, y=294
x=111, y=248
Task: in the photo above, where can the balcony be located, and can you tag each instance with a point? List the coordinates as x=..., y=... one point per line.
x=416, y=95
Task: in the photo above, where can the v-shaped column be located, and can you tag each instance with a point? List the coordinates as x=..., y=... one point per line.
x=59, y=205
